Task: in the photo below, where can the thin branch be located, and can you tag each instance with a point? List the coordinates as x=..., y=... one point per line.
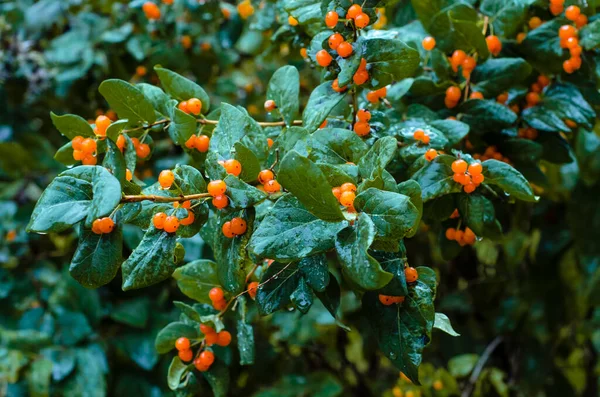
x=276, y=159
x=159, y=122
x=486, y=21
x=162, y=199
x=261, y=123
x=480, y=364
x=249, y=276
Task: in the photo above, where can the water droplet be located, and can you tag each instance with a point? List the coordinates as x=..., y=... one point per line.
x=392, y=355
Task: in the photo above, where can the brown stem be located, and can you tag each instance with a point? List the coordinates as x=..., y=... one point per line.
x=162, y=199
x=249, y=276
x=261, y=123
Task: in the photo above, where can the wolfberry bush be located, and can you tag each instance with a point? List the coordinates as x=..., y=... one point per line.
x=300, y=197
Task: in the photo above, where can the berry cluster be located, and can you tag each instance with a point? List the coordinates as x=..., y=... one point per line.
x=217, y=189
x=355, y=12
x=192, y=105
x=84, y=150
x=183, y=347
x=362, y=127
x=168, y=223
x=198, y=142
x=527, y=133
x=103, y=225
x=468, y=175
x=211, y=337
x=267, y=179
x=142, y=150
x=235, y=227
x=345, y=195
x=190, y=214
x=217, y=297
x=421, y=136
x=466, y=62
x=466, y=237
x=569, y=39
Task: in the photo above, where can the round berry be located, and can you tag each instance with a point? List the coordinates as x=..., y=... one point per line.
x=216, y=187
x=151, y=10
x=457, y=59
x=171, y=224
x=431, y=154
x=88, y=146
x=220, y=305
x=475, y=169
x=335, y=40
x=272, y=186
x=182, y=344
x=189, y=219
x=566, y=31
x=303, y=52
x=469, y=63
x=386, y=300
x=451, y=233
x=89, y=160
x=107, y=225
x=360, y=77
x=331, y=19
x=270, y=105
x=183, y=106
x=572, y=13
x=581, y=20
x=494, y=44
x=419, y=135
x=224, y=338
x=353, y=11
x=373, y=97
x=292, y=21
x=265, y=176
x=459, y=166
x=478, y=178
x=269, y=142
x=428, y=43
x=78, y=155
x=348, y=187
x=76, y=142
x=363, y=115
x=166, y=179
x=238, y=226
x=336, y=87
x=411, y=275
x=233, y=167
x=201, y=143
x=96, y=226
x=207, y=358
x=221, y=201
x=253, y=289
x=362, y=128
x=158, y=220
x=206, y=329
x=227, y=232
x=347, y=198
x=102, y=123
x=186, y=355
x=211, y=338
x=345, y=49
x=453, y=93
x=216, y=294
x=194, y=106
x=191, y=142
x=323, y=58
x=469, y=188
x=535, y=22
x=143, y=150
x=199, y=366
x=532, y=98
x=362, y=20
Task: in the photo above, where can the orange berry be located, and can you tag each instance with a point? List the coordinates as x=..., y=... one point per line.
x=270, y=105
x=576, y=62
x=151, y=10
x=224, y=338
x=331, y=19
x=459, y=235
x=198, y=364
x=575, y=51
x=186, y=355
x=411, y=274
x=382, y=92
x=141, y=71
x=135, y=141
x=159, y=220
x=572, y=13
x=459, y=166
x=535, y=22
x=556, y=9
x=570, y=123
x=360, y=77
x=189, y=219
x=431, y=154
x=521, y=37
x=572, y=42
x=216, y=294
x=453, y=93
x=372, y=97
x=183, y=106
x=469, y=64
x=567, y=31
x=477, y=179
x=76, y=142
x=182, y=344
x=457, y=59
x=568, y=66
x=102, y=123
x=348, y=187
x=186, y=42
x=344, y=49
x=449, y=103
x=353, y=11
x=532, y=98
x=323, y=58
x=171, y=224
x=207, y=329
x=78, y=155
x=191, y=142
x=96, y=226
x=245, y=9
x=216, y=187
x=265, y=176
x=363, y=115
x=418, y=135
x=544, y=81
x=337, y=192
x=211, y=338
x=494, y=44
x=227, y=231
x=450, y=233
x=347, y=198
x=272, y=186
x=89, y=160
x=166, y=179
x=470, y=188
x=121, y=142
x=362, y=20
x=386, y=300
x=469, y=237
x=502, y=98
x=476, y=95
x=207, y=358
x=238, y=226
x=220, y=201
x=362, y=128
x=194, y=106
x=581, y=20
x=303, y=52
x=536, y=87
x=428, y=43
x=201, y=143
x=106, y=225
x=88, y=146
x=426, y=139
x=143, y=150
x=335, y=40
x=253, y=289
x=336, y=86
x=269, y=142
x=292, y=21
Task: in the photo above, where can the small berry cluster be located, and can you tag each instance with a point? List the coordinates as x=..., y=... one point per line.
x=466, y=62
x=421, y=136
x=468, y=175
x=528, y=133
x=377, y=95
x=168, y=223
x=211, y=337
x=572, y=13
x=84, y=150
x=190, y=214
x=569, y=39
x=192, y=105
x=355, y=12
x=183, y=347
x=217, y=297
x=362, y=75
x=245, y=9
x=151, y=10
x=217, y=189
x=466, y=237
x=198, y=142
x=102, y=123
x=362, y=127
x=232, y=166
x=345, y=195
x=492, y=153
x=267, y=179
x=453, y=95
x=235, y=227
x=103, y=225
x=142, y=150
x=253, y=289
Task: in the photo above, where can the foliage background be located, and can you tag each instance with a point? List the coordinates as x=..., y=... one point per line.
x=535, y=296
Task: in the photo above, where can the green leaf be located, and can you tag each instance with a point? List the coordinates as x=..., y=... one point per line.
x=218, y=379
x=71, y=125
x=306, y=181
x=182, y=127
x=302, y=297
x=349, y=66
x=64, y=155
x=196, y=279
x=508, y=179
x=166, y=337
x=241, y=195
x=496, y=76
x=128, y=101
x=38, y=377
x=250, y=164
x=321, y=102
x=234, y=126
x=462, y=365
x=477, y=212
x=589, y=35
x=181, y=88
x=389, y=60
x=97, y=258
x=506, y=16
x=134, y=312
x=336, y=146
x=455, y=27
x=442, y=322
x=393, y=263
x=426, y=9
x=290, y=232
x=378, y=157
x=542, y=46
x=284, y=89
x=73, y=194
x=307, y=12
x=403, y=330
x=114, y=162
x=315, y=271
x=157, y=97
x=245, y=334
x=176, y=370
x=151, y=262
x=275, y=294
x=352, y=244
x=189, y=179
x=487, y=115
x=231, y=255
x=453, y=130
x=435, y=178
x=114, y=129
x=393, y=215
x=412, y=189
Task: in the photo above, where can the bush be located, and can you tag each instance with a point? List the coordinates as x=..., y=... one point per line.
x=426, y=161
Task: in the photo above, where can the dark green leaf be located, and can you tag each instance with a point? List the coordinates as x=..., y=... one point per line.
x=321, y=102
x=496, y=76
x=242, y=195
x=378, y=157
x=337, y=146
x=487, y=115
x=127, y=101
x=71, y=125
x=508, y=179
x=181, y=88
x=389, y=60
x=165, y=340
x=196, y=279
x=302, y=297
x=284, y=89
x=250, y=164
x=176, y=370
x=315, y=271
x=442, y=322
x=281, y=280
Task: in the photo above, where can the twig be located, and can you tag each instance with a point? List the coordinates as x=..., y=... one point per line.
x=162, y=199
x=480, y=364
x=276, y=159
x=159, y=122
x=486, y=21
x=386, y=103
x=354, y=105
x=261, y=123
x=249, y=276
